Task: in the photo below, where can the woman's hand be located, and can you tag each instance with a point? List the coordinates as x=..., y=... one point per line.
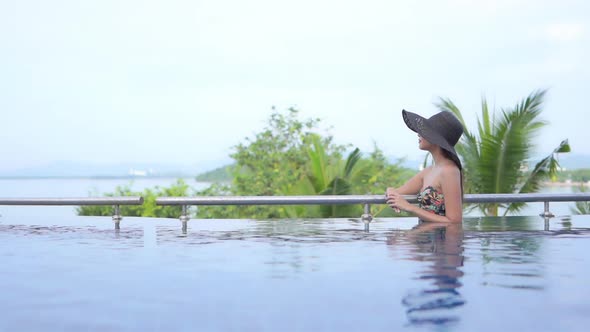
x=396, y=201
x=389, y=193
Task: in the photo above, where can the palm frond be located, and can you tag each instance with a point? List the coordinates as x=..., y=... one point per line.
x=486, y=128
x=546, y=168
x=581, y=207
x=351, y=161
x=509, y=145
x=338, y=186
x=447, y=105
x=318, y=163
x=302, y=187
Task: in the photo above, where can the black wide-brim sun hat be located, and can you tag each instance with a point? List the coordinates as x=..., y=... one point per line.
x=442, y=129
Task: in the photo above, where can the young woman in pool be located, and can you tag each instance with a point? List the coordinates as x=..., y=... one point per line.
x=440, y=186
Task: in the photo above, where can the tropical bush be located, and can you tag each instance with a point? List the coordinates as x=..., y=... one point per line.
x=148, y=208
x=290, y=157
x=574, y=175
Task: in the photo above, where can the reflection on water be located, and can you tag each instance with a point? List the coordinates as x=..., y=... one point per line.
x=292, y=247
x=441, y=247
x=294, y=275
x=77, y=234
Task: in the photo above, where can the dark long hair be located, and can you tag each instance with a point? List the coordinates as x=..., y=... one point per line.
x=455, y=160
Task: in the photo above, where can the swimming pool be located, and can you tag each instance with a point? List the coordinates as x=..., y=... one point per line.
x=78, y=273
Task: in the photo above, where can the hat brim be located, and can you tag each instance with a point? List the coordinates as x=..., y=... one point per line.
x=421, y=125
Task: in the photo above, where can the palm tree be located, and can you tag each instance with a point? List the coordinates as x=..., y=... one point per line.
x=327, y=175
x=495, y=160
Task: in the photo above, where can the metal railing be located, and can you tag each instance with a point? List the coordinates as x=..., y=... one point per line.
x=116, y=202
x=365, y=200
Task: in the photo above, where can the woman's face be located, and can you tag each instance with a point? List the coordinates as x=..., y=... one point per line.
x=423, y=144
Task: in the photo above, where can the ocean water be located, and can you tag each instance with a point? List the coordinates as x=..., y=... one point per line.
x=488, y=274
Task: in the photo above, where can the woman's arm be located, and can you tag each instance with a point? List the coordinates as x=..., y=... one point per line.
x=412, y=186
x=451, y=187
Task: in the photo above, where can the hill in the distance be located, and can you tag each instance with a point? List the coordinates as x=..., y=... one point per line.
x=566, y=160
x=209, y=171
x=574, y=161
x=87, y=169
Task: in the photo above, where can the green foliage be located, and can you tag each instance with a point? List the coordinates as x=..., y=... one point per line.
x=495, y=157
x=265, y=166
x=326, y=175
x=289, y=157
x=148, y=208
x=220, y=174
x=581, y=207
x=575, y=175
x=375, y=173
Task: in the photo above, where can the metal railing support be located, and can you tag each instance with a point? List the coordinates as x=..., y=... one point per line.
x=366, y=217
x=117, y=216
x=546, y=213
x=184, y=218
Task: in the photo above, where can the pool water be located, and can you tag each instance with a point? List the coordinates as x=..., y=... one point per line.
x=489, y=274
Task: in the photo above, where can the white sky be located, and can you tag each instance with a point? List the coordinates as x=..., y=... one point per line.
x=184, y=81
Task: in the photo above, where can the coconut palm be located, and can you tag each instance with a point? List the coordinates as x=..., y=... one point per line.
x=495, y=157
x=327, y=175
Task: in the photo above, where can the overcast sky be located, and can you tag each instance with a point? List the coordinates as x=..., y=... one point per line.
x=184, y=81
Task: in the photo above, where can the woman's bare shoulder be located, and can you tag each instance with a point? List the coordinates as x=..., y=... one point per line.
x=450, y=170
x=427, y=169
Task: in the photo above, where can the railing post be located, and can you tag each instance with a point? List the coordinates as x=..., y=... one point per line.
x=547, y=213
x=117, y=216
x=184, y=217
x=367, y=217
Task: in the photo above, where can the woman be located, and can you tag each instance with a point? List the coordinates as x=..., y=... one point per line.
x=440, y=186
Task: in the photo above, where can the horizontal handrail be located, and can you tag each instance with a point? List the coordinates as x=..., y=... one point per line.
x=362, y=199
x=365, y=200
x=116, y=202
x=272, y=200
x=526, y=198
x=130, y=200
x=288, y=200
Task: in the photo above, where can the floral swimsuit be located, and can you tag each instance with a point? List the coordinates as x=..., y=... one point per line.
x=432, y=201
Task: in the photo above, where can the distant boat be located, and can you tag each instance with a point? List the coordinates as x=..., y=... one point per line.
x=137, y=172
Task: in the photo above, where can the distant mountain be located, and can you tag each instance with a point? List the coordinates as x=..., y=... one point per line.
x=574, y=161
x=413, y=164
x=89, y=169
x=566, y=160
x=209, y=168
x=220, y=174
